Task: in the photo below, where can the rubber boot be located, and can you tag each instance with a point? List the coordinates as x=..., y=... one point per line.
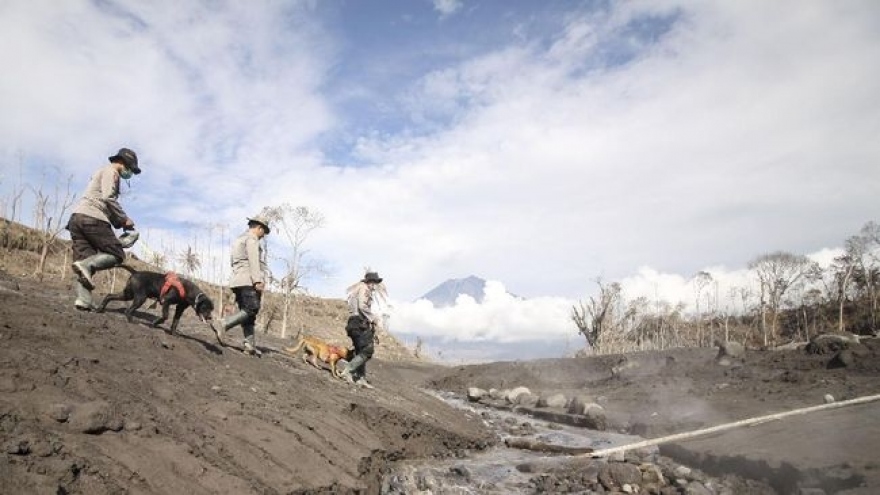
x=84, y=269
x=223, y=324
x=351, y=369
x=83, y=297
x=250, y=341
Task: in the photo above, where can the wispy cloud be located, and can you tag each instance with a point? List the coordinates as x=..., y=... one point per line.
x=447, y=7
x=547, y=147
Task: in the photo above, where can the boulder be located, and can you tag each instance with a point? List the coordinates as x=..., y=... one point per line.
x=474, y=394
x=552, y=400
x=512, y=395
x=830, y=343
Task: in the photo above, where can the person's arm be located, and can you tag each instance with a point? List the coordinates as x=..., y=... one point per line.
x=254, y=265
x=109, y=194
x=364, y=304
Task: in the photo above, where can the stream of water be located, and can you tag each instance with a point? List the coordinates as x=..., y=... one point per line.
x=499, y=470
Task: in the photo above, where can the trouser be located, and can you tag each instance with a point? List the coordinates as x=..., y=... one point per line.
x=361, y=334
x=91, y=236
x=95, y=248
x=248, y=300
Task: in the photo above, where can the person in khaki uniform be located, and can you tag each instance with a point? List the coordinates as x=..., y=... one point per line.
x=248, y=282
x=361, y=327
x=91, y=224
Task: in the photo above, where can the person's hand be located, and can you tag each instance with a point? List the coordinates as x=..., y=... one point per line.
x=128, y=224
x=258, y=286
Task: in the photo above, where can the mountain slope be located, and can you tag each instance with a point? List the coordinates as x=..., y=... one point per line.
x=92, y=404
x=446, y=293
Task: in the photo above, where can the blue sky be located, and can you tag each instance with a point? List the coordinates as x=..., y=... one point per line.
x=535, y=144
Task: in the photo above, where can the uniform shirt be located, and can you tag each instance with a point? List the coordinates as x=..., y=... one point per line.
x=100, y=198
x=248, y=267
x=360, y=301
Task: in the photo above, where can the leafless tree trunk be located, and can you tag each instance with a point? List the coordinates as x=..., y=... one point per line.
x=49, y=212
x=295, y=224
x=595, y=318
x=777, y=272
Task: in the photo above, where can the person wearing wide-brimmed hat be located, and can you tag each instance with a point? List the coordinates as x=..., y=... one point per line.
x=91, y=224
x=361, y=327
x=248, y=282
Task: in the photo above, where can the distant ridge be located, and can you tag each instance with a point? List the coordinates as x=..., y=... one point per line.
x=446, y=293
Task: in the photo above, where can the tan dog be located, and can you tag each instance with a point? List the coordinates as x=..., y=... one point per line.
x=314, y=348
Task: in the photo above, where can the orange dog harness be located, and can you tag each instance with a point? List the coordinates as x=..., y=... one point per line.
x=172, y=280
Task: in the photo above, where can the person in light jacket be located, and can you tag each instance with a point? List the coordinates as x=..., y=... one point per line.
x=91, y=224
x=361, y=327
x=248, y=283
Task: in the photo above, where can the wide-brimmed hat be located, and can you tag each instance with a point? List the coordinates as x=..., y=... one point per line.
x=260, y=219
x=372, y=277
x=128, y=158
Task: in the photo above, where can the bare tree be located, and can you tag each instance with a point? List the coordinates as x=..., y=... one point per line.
x=295, y=224
x=700, y=280
x=49, y=213
x=777, y=272
x=867, y=259
x=596, y=317
x=13, y=204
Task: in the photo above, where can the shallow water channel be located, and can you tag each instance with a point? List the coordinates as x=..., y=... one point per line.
x=501, y=469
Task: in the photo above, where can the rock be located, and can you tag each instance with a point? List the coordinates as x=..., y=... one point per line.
x=730, y=349
x=462, y=471
x=18, y=447
x=696, y=488
x=92, y=417
x=496, y=394
x=843, y=359
x=512, y=395
x=474, y=394
x=578, y=404
x=528, y=400
x=616, y=474
x=828, y=343
x=59, y=412
x=554, y=400
x=652, y=474
x=682, y=471
x=595, y=418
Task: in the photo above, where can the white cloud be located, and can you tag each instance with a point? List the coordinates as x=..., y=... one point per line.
x=447, y=7
x=500, y=317
x=507, y=319
x=745, y=129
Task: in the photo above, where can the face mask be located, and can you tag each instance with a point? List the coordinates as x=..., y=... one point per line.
x=125, y=174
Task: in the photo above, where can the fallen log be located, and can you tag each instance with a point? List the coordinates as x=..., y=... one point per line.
x=730, y=426
x=537, y=446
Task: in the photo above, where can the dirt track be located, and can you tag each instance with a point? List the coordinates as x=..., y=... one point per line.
x=91, y=404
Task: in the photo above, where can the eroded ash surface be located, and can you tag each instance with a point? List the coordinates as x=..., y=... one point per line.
x=94, y=405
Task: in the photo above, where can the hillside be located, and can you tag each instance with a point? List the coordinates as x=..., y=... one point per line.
x=93, y=405
x=321, y=317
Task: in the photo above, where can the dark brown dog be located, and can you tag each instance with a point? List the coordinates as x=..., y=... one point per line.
x=149, y=285
x=314, y=348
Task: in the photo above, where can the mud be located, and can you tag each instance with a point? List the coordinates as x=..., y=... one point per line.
x=91, y=404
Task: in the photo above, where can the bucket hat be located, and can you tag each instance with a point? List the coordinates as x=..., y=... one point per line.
x=372, y=277
x=128, y=158
x=260, y=219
